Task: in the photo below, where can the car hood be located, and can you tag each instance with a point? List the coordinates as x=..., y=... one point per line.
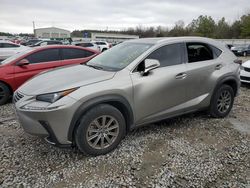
x=246, y=64
x=64, y=78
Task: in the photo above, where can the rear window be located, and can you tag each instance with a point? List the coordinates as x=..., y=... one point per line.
x=199, y=52
x=85, y=44
x=70, y=53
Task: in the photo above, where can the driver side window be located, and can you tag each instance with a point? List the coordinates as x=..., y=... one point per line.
x=167, y=56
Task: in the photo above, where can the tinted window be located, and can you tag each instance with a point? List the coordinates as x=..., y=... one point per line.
x=44, y=56
x=199, y=52
x=216, y=51
x=100, y=43
x=168, y=55
x=69, y=53
x=85, y=44
x=54, y=42
x=7, y=45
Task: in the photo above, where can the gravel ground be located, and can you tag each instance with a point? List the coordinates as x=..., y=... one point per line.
x=190, y=151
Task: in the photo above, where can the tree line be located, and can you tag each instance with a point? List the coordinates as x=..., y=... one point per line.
x=204, y=26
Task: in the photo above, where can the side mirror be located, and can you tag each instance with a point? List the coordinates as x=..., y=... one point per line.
x=150, y=64
x=23, y=62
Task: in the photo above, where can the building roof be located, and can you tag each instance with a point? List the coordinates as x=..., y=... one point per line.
x=52, y=28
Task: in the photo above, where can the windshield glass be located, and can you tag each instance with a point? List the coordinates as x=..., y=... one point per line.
x=15, y=56
x=119, y=57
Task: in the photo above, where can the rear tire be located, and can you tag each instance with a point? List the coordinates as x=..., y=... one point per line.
x=100, y=130
x=5, y=93
x=222, y=102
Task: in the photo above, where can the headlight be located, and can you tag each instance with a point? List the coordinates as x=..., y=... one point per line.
x=53, y=97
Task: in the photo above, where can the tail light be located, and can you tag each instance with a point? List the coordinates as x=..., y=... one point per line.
x=238, y=61
x=110, y=45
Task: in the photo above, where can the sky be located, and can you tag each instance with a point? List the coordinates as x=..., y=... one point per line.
x=16, y=16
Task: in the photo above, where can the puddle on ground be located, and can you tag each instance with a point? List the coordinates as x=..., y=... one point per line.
x=243, y=127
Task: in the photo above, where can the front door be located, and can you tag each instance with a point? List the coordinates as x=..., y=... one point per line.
x=163, y=92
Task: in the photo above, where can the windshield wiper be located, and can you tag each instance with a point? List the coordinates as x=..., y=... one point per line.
x=95, y=67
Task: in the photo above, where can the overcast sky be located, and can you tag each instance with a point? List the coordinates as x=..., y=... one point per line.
x=17, y=15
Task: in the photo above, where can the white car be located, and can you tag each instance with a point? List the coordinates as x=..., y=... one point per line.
x=8, y=49
x=245, y=72
x=90, y=45
x=103, y=45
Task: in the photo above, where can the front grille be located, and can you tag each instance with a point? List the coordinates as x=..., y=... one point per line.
x=17, y=96
x=247, y=69
x=245, y=78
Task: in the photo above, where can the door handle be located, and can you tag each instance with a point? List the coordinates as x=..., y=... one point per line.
x=181, y=76
x=218, y=67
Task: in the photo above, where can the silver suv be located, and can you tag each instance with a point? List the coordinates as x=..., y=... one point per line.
x=92, y=106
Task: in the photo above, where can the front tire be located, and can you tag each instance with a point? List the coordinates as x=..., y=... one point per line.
x=222, y=102
x=5, y=93
x=100, y=130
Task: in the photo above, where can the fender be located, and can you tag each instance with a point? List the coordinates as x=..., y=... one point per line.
x=228, y=78
x=108, y=99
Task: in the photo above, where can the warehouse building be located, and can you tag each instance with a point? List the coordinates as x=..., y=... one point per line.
x=51, y=32
x=112, y=37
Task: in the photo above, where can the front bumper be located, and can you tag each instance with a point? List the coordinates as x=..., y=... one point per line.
x=52, y=124
x=244, y=76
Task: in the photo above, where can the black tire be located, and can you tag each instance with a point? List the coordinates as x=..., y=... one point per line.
x=104, y=49
x=82, y=134
x=5, y=93
x=215, y=101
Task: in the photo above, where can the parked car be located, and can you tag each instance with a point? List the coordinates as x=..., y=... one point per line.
x=245, y=72
x=230, y=46
x=17, y=69
x=90, y=45
x=241, y=50
x=103, y=45
x=141, y=81
x=31, y=42
x=47, y=42
x=8, y=49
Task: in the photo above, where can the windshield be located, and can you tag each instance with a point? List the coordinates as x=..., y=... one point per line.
x=15, y=56
x=119, y=56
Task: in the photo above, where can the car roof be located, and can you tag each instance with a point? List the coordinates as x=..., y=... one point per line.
x=169, y=39
x=163, y=40
x=38, y=48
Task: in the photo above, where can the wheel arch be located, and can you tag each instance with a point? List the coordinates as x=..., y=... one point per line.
x=117, y=101
x=8, y=85
x=230, y=80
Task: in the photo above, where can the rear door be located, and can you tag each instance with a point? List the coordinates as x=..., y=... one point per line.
x=202, y=62
x=72, y=56
x=39, y=61
x=163, y=92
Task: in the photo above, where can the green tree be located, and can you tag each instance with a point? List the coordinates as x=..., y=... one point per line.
x=205, y=26
x=245, y=26
x=222, y=29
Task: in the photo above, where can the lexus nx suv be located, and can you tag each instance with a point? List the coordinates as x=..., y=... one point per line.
x=92, y=106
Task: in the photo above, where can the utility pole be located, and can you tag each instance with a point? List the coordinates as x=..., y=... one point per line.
x=34, y=28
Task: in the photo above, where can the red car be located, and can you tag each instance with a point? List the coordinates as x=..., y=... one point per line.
x=20, y=67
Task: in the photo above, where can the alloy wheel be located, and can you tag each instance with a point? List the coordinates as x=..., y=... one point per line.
x=102, y=132
x=224, y=101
